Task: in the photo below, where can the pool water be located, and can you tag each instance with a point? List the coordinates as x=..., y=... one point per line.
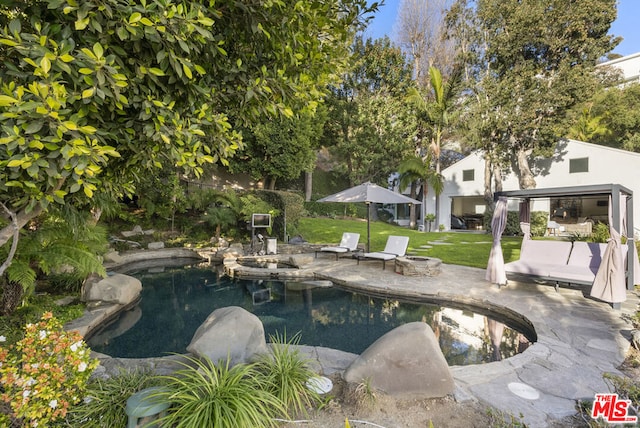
x=175, y=302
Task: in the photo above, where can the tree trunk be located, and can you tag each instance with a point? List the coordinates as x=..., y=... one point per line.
x=270, y=183
x=436, y=151
x=22, y=218
x=308, y=185
x=96, y=213
x=412, y=207
x=11, y=297
x=488, y=169
x=527, y=181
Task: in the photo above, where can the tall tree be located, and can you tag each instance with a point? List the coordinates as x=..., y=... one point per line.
x=422, y=35
x=369, y=126
x=95, y=93
x=433, y=112
x=280, y=149
x=529, y=62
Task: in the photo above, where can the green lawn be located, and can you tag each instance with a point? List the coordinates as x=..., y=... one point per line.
x=461, y=248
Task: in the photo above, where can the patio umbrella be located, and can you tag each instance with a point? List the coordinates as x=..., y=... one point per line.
x=495, y=267
x=369, y=193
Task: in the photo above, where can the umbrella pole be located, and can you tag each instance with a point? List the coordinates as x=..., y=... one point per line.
x=368, y=226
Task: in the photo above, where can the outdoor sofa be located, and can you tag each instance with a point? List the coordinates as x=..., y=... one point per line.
x=560, y=261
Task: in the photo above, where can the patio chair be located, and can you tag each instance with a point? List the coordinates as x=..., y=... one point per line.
x=396, y=247
x=348, y=243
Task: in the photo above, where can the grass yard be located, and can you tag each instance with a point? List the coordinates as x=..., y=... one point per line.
x=461, y=248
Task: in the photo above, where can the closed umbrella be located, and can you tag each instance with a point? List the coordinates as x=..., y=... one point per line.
x=495, y=267
x=369, y=193
x=525, y=220
x=609, y=283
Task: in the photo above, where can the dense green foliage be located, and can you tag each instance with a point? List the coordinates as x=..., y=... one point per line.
x=11, y=325
x=98, y=94
x=96, y=98
x=62, y=244
x=611, y=118
x=282, y=149
x=370, y=127
x=527, y=63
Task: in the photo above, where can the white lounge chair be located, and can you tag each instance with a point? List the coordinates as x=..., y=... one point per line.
x=396, y=247
x=348, y=243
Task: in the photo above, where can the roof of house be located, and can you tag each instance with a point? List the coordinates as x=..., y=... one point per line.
x=588, y=190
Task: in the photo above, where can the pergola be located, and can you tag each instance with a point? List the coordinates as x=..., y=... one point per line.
x=616, y=192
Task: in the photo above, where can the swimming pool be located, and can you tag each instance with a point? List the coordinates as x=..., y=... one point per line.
x=176, y=301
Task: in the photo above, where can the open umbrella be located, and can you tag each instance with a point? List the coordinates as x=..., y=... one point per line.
x=369, y=193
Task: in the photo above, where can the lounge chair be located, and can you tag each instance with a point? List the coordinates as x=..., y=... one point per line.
x=348, y=243
x=396, y=247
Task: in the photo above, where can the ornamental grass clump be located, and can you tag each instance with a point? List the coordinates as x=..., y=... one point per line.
x=286, y=374
x=105, y=400
x=44, y=374
x=204, y=395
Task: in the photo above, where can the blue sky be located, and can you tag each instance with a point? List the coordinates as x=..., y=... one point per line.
x=626, y=25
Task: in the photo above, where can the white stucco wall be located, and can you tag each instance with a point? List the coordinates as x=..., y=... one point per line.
x=605, y=165
x=629, y=66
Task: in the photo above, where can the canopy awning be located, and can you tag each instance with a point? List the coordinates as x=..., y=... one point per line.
x=617, y=194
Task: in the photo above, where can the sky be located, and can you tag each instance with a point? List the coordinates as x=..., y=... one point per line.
x=626, y=25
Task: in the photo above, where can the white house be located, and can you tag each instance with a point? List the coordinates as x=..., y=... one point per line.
x=574, y=163
x=628, y=65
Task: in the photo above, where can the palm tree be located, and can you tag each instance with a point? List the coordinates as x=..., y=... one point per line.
x=224, y=211
x=417, y=171
x=587, y=127
x=435, y=114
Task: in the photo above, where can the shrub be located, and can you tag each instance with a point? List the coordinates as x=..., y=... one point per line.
x=206, y=395
x=626, y=387
x=600, y=233
x=539, y=221
x=45, y=373
x=106, y=399
x=513, y=223
x=286, y=374
x=336, y=209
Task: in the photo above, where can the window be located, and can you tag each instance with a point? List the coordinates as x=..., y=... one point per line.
x=578, y=165
x=468, y=175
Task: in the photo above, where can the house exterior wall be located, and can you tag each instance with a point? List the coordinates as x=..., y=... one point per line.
x=604, y=165
x=629, y=66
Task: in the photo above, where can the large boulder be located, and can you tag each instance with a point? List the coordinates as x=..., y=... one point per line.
x=405, y=361
x=232, y=333
x=118, y=288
